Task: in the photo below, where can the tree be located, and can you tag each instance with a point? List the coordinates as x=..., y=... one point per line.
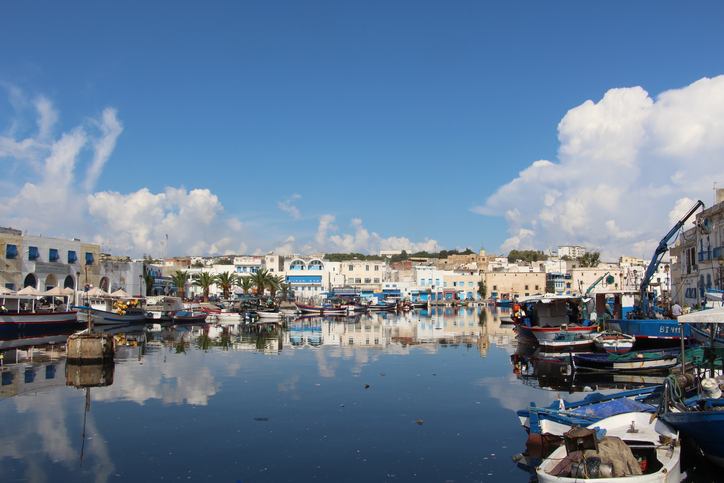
x=226, y=281
x=179, y=279
x=482, y=289
x=589, y=259
x=224, y=261
x=275, y=283
x=198, y=264
x=261, y=281
x=245, y=283
x=205, y=281
x=285, y=289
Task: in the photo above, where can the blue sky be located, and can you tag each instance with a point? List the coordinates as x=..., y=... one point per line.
x=303, y=127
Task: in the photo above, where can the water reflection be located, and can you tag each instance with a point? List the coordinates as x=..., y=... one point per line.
x=312, y=398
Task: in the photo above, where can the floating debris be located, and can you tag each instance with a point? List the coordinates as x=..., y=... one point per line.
x=382, y=373
x=366, y=386
x=419, y=421
x=261, y=419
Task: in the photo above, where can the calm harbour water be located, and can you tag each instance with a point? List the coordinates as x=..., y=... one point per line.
x=414, y=397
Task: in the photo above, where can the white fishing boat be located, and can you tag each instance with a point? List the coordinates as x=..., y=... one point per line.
x=111, y=309
x=614, y=341
x=636, y=448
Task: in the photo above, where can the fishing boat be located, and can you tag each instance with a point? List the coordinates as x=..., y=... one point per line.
x=548, y=317
x=549, y=424
x=29, y=312
x=614, y=341
x=321, y=309
x=111, y=309
x=648, y=319
x=701, y=417
x=188, y=317
x=634, y=448
x=646, y=360
x=567, y=341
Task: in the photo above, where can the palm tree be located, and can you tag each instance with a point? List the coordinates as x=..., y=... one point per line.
x=205, y=281
x=180, y=279
x=245, y=283
x=225, y=281
x=285, y=288
x=275, y=283
x=261, y=281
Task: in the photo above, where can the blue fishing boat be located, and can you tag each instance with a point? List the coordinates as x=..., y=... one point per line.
x=643, y=321
x=700, y=417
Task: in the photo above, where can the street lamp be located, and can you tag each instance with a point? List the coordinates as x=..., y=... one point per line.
x=721, y=262
x=77, y=285
x=140, y=285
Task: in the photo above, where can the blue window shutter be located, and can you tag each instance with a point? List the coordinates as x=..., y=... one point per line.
x=11, y=251
x=33, y=253
x=53, y=255
x=72, y=257
x=89, y=258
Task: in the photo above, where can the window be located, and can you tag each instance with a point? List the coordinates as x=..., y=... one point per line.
x=53, y=255
x=367, y=280
x=377, y=280
x=526, y=287
x=455, y=284
x=33, y=253
x=358, y=280
x=72, y=257
x=422, y=282
x=367, y=267
x=10, y=286
x=351, y=268
x=377, y=268
x=495, y=288
x=89, y=258
x=11, y=251
x=470, y=284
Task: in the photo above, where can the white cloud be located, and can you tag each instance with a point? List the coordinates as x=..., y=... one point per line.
x=629, y=166
x=289, y=208
x=136, y=222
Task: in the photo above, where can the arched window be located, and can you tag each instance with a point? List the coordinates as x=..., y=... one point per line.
x=30, y=281
x=68, y=282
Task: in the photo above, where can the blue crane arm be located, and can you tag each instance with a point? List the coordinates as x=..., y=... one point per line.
x=658, y=255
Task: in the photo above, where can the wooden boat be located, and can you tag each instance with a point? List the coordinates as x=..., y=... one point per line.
x=614, y=341
x=548, y=424
x=188, y=317
x=25, y=312
x=108, y=310
x=648, y=360
x=321, y=309
x=643, y=451
x=567, y=341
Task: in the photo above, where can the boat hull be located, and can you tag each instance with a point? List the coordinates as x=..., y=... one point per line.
x=551, y=333
x=638, y=361
x=649, y=328
x=704, y=427
x=37, y=320
x=103, y=317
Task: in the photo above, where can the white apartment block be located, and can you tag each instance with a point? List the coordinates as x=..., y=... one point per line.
x=571, y=251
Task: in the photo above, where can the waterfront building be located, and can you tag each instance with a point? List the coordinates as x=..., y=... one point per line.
x=45, y=263
x=312, y=277
x=510, y=285
x=365, y=275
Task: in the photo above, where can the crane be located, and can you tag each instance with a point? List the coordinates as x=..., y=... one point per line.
x=645, y=310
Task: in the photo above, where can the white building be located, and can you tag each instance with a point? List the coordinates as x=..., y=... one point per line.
x=571, y=251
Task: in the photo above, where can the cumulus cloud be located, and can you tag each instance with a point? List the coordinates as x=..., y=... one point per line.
x=628, y=167
x=361, y=240
x=137, y=221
